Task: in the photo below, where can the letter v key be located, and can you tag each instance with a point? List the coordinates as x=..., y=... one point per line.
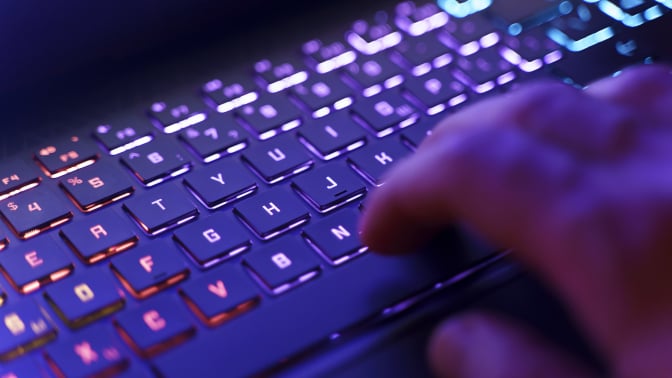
x=218, y=289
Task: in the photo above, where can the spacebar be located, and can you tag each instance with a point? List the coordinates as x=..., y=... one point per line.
x=290, y=324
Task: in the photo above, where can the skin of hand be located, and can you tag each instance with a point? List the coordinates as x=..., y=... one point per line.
x=579, y=184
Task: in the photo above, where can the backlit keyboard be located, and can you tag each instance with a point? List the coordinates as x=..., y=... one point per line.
x=216, y=235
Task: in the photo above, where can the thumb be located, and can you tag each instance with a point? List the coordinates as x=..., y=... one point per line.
x=479, y=345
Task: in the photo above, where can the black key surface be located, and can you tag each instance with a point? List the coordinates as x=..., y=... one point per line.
x=161, y=209
x=484, y=70
x=155, y=162
x=176, y=114
x=384, y=113
x=329, y=187
x=336, y=237
x=371, y=74
x=372, y=161
x=99, y=236
x=322, y=93
x=269, y=116
x=284, y=265
x=216, y=137
x=524, y=14
x=276, y=77
x=226, y=95
x=415, y=134
x=327, y=57
x=469, y=34
x=278, y=159
x=99, y=185
x=121, y=136
x=436, y=90
x=214, y=239
x=30, y=213
x=26, y=327
x=581, y=22
x=333, y=135
x=273, y=212
x=373, y=35
x=421, y=54
x=17, y=176
x=66, y=155
x=221, y=183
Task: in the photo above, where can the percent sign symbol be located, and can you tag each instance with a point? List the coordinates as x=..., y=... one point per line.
x=75, y=181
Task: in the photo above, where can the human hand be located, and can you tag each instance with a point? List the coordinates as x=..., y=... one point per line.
x=579, y=184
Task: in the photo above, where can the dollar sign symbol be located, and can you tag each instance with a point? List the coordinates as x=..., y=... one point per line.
x=12, y=206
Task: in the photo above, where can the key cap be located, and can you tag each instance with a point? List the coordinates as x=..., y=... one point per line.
x=15, y=177
x=530, y=50
x=374, y=35
x=421, y=54
x=157, y=161
x=66, y=156
x=632, y=13
x=584, y=26
x=278, y=77
x=419, y=19
x=160, y=210
x=155, y=326
x=146, y=270
x=327, y=57
x=215, y=138
x=329, y=187
x=374, y=160
x=283, y=265
x=221, y=183
x=35, y=264
x=469, y=34
x=321, y=94
x=214, y=239
x=82, y=299
x=278, y=159
x=414, y=135
x=119, y=137
x=23, y=367
x=355, y=292
x=520, y=15
x=436, y=91
x=177, y=114
x=269, y=116
x=484, y=70
x=272, y=213
x=220, y=295
x=226, y=95
x=332, y=136
x=31, y=213
x=385, y=113
x=99, y=236
x=370, y=74
x=336, y=237
x=92, y=352
x=24, y=327
x=94, y=187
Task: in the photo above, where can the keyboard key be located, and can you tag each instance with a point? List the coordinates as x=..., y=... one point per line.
x=469, y=34
x=436, y=91
x=92, y=352
x=94, y=187
x=336, y=237
x=283, y=265
x=519, y=15
x=484, y=70
x=35, y=264
x=371, y=74
x=15, y=177
x=329, y=187
x=155, y=326
x=272, y=213
x=221, y=183
x=24, y=327
x=157, y=161
x=374, y=160
x=99, y=236
x=278, y=159
x=146, y=270
x=269, y=116
x=214, y=239
x=332, y=136
x=215, y=137
x=585, y=25
x=530, y=50
x=31, y=213
x=66, y=156
x=225, y=96
x=385, y=113
x=414, y=135
x=220, y=295
x=278, y=77
x=82, y=299
x=321, y=94
x=327, y=57
x=373, y=36
x=173, y=116
x=23, y=367
x=421, y=54
x=124, y=135
x=161, y=209
x=419, y=19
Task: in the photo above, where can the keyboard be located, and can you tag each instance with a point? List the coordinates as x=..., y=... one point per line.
x=216, y=233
